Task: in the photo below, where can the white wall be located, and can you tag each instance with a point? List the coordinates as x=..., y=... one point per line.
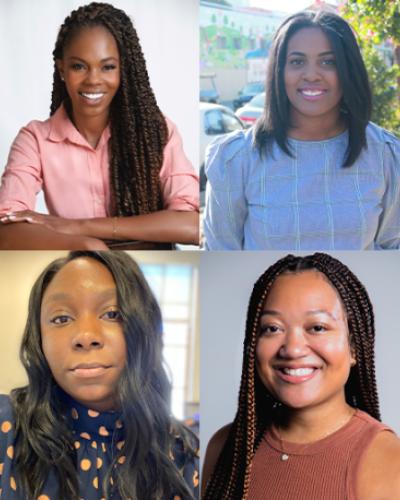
x=168, y=30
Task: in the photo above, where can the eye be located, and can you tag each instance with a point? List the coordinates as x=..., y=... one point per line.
x=77, y=66
x=296, y=62
x=109, y=67
x=61, y=319
x=328, y=62
x=112, y=315
x=318, y=328
x=269, y=329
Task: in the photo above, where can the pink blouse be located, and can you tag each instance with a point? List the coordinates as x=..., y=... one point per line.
x=52, y=155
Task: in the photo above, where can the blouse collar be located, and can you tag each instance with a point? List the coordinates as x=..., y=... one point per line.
x=101, y=425
x=62, y=129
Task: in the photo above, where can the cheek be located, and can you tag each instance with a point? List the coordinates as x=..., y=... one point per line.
x=265, y=351
x=335, y=350
x=114, y=81
x=335, y=83
x=55, y=348
x=118, y=344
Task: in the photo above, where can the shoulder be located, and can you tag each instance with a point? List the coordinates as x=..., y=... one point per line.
x=379, y=472
x=214, y=448
x=229, y=146
x=379, y=135
x=33, y=132
x=7, y=424
x=6, y=412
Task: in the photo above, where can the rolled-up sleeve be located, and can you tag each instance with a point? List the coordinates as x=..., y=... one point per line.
x=226, y=205
x=22, y=177
x=179, y=181
x=388, y=234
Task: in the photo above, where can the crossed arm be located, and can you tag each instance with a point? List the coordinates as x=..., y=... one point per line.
x=28, y=230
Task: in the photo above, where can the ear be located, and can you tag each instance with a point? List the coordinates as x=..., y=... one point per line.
x=60, y=67
x=353, y=358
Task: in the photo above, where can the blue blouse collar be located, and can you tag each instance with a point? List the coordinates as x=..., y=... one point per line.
x=99, y=425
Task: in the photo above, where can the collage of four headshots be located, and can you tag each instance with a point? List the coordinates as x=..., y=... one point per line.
x=199, y=235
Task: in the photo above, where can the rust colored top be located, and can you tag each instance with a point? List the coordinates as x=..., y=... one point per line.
x=323, y=470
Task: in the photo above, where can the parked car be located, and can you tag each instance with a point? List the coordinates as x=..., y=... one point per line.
x=208, y=88
x=249, y=113
x=248, y=92
x=215, y=120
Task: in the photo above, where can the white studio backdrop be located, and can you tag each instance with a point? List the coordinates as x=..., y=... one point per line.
x=226, y=282
x=167, y=29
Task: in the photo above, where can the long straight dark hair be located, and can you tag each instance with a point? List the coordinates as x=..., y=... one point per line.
x=256, y=409
x=43, y=438
x=356, y=104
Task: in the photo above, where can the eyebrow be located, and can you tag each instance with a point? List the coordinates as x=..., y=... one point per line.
x=102, y=60
x=272, y=312
x=63, y=296
x=297, y=53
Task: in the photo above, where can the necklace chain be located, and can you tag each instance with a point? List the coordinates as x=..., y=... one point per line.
x=285, y=454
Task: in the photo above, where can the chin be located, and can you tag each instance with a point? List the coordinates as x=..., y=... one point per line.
x=95, y=399
x=297, y=401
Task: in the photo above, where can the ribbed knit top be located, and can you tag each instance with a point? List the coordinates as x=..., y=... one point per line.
x=324, y=470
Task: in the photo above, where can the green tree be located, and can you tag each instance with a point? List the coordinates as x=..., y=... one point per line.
x=375, y=22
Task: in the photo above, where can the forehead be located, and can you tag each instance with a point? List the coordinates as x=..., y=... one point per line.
x=88, y=39
x=80, y=275
x=309, y=41
x=304, y=289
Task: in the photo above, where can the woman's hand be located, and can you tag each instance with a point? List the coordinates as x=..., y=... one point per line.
x=58, y=224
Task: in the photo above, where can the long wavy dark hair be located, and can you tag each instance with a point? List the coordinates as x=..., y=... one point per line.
x=138, y=129
x=256, y=409
x=356, y=104
x=43, y=439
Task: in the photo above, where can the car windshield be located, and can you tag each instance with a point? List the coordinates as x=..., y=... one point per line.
x=253, y=87
x=258, y=100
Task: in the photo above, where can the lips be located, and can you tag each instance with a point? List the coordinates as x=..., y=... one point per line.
x=92, y=97
x=89, y=370
x=296, y=374
x=312, y=94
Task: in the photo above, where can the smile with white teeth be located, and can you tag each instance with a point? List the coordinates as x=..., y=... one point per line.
x=92, y=95
x=312, y=93
x=298, y=372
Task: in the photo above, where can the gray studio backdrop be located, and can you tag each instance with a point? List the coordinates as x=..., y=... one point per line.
x=226, y=282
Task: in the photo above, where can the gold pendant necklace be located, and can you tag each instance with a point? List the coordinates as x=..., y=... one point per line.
x=285, y=455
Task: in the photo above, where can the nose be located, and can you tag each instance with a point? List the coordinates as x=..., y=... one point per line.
x=311, y=72
x=88, y=334
x=93, y=76
x=294, y=345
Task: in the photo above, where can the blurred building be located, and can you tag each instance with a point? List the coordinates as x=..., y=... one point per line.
x=234, y=43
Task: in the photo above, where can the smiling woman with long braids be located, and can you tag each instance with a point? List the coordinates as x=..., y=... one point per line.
x=110, y=164
x=94, y=420
x=308, y=420
x=314, y=173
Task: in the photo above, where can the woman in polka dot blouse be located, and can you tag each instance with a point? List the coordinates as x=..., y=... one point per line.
x=94, y=420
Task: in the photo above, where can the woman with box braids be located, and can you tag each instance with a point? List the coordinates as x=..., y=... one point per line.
x=111, y=165
x=138, y=129
x=260, y=410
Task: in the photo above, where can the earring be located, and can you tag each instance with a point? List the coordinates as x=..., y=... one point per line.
x=62, y=78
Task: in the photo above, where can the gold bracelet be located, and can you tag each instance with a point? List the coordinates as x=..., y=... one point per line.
x=114, y=224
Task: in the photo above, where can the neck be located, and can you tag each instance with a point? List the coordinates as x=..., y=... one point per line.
x=315, y=128
x=312, y=424
x=90, y=127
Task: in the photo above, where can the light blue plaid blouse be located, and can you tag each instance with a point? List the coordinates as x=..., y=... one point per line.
x=309, y=202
